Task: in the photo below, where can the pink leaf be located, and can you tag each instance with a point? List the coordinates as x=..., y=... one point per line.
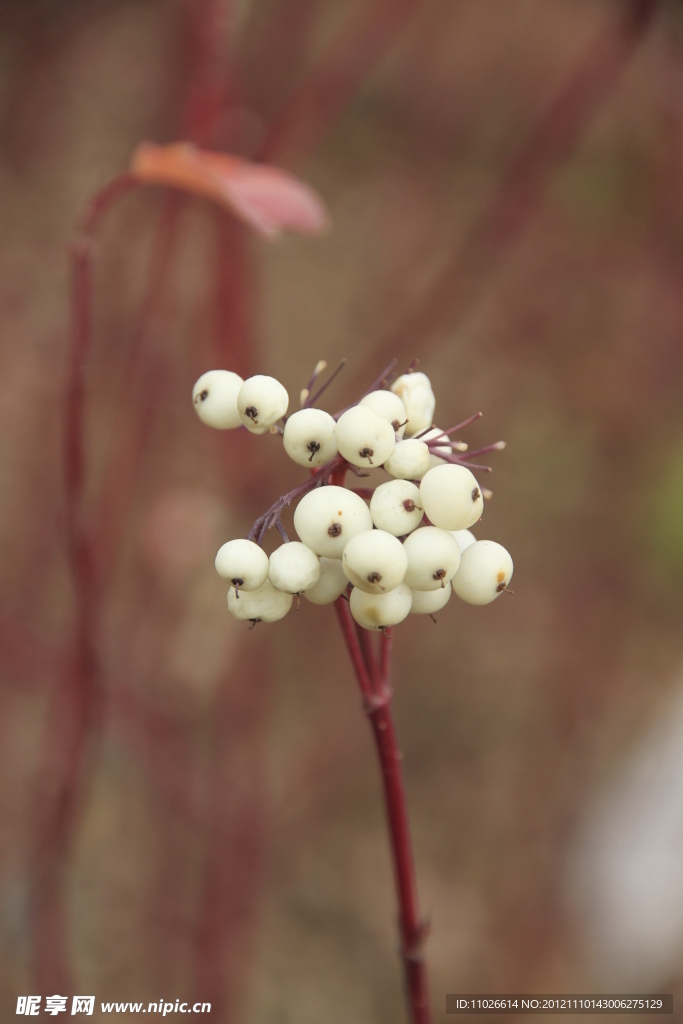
x=266, y=198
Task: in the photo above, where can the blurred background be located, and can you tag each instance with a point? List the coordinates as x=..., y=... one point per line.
x=192, y=810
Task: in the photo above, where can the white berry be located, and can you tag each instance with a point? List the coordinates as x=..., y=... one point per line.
x=243, y=564
x=415, y=391
x=309, y=437
x=215, y=399
x=364, y=437
x=332, y=582
x=389, y=406
x=451, y=497
x=263, y=605
x=409, y=460
x=294, y=568
x=426, y=602
x=433, y=558
x=484, y=573
x=328, y=517
x=375, y=561
x=464, y=538
x=395, y=507
x=261, y=402
x=377, y=611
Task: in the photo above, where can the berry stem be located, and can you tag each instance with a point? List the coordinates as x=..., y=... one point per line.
x=281, y=530
x=497, y=447
x=459, y=460
x=369, y=659
x=311, y=399
x=461, y=426
x=385, y=376
x=272, y=516
x=376, y=691
x=378, y=383
x=360, y=668
x=385, y=653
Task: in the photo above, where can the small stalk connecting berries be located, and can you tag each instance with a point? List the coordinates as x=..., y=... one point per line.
x=271, y=518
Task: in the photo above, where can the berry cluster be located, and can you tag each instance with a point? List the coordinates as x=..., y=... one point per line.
x=406, y=551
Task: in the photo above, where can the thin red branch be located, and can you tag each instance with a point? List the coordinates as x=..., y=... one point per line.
x=365, y=644
x=385, y=653
x=347, y=624
x=412, y=927
x=103, y=200
x=77, y=700
x=208, y=34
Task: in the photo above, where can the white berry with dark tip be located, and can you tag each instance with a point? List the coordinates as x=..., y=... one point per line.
x=433, y=558
x=364, y=437
x=309, y=437
x=451, y=497
x=375, y=561
x=327, y=518
x=484, y=573
x=261, y=402
x=389, y=406
x=214, y=397
x=243, y=564
x=395, y=507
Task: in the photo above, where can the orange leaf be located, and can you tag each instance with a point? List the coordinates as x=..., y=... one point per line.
x=266, y=198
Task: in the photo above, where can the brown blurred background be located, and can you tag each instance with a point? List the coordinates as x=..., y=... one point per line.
x=504, y=182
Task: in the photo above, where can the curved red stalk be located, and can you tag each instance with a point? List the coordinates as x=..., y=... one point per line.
x=77, y=700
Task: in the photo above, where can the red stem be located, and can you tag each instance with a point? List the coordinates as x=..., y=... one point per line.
x=412, y=927
x=385, y=654
x=77, y=700
x=355, y=653
x=369, y=659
